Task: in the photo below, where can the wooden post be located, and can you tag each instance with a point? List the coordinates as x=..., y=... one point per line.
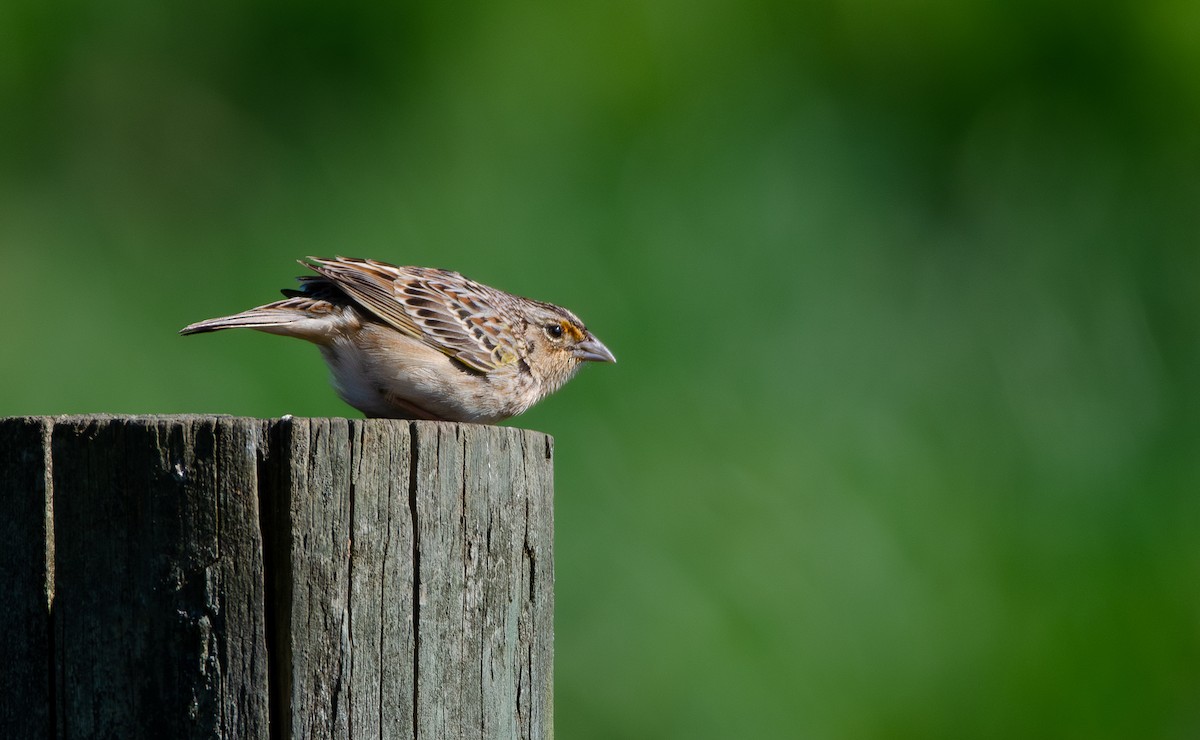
x=220, y=577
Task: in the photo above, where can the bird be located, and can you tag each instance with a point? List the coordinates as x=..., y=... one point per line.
x=425, y=343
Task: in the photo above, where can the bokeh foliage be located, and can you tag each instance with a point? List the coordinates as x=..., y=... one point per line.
x=903, y=438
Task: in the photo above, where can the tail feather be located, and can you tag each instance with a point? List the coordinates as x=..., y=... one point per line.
x=255, y=318
x=294, y=317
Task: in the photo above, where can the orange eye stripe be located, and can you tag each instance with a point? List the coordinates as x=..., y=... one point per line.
x=572, y=330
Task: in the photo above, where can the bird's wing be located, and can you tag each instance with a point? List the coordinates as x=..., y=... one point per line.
x=441, y=308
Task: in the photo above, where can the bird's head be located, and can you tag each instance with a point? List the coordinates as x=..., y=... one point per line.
x=559, y=344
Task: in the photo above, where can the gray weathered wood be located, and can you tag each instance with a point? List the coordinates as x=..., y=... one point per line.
x=158, y=619
x=486, y=581
x=311, y=578
x=26, y=544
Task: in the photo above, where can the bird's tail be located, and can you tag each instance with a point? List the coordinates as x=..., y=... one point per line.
x=295, y=317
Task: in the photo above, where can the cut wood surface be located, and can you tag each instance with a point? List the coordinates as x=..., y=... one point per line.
x=222, y=577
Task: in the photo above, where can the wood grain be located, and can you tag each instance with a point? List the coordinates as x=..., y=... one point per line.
x=201, y=576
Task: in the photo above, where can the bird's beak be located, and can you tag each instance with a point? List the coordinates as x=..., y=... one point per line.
x=592, y=349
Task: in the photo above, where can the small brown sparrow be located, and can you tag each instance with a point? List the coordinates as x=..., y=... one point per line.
x=422, y=343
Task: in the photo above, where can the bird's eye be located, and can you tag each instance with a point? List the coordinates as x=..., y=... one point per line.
x=554, y=331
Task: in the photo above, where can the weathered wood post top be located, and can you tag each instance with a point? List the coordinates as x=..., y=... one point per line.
x=222, y=577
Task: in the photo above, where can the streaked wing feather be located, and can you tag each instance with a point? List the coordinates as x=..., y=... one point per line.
x=371, y=286
x=458, y=313
x=457, y=316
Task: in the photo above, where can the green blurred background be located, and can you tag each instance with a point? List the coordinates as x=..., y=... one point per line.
x=903, y=438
